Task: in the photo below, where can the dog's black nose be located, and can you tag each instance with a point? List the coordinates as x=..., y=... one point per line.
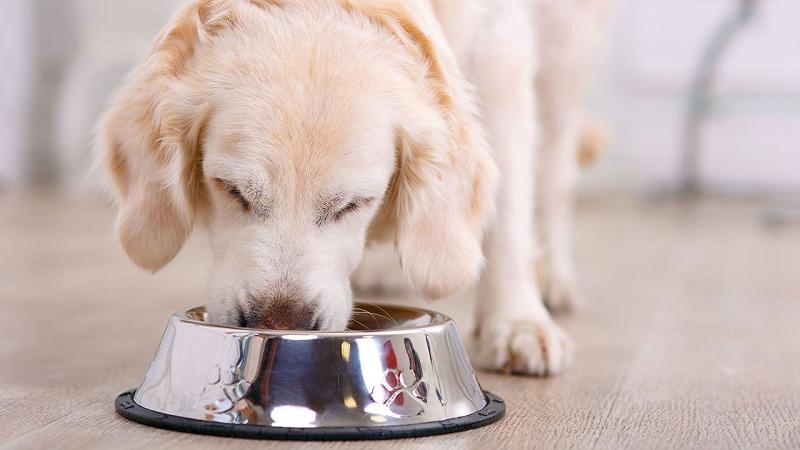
x=281, y=312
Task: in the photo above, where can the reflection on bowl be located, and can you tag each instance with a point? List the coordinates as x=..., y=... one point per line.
x=399, y=371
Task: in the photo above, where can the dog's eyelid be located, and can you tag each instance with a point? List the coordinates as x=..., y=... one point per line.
x=233, y=190
x=353, y=205
x=333, y=212
x=223, y=183
x=357, y=202
x=361, y=201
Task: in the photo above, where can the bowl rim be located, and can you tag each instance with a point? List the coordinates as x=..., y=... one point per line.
x=494, y=410
x=439, y=322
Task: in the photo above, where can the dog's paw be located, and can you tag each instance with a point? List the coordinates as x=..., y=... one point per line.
x=528, y=347
x=561, y=292
x=559, y=287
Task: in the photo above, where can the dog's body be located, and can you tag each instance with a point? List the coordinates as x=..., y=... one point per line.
x=298, y=130
x=529, y=61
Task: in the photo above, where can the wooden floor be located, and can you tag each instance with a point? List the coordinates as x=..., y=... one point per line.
x=690, y=338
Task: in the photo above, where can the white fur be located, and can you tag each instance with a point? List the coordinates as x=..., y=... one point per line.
x=530, y=61
x=254, y=117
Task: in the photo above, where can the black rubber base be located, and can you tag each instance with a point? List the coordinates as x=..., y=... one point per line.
x=494, y=410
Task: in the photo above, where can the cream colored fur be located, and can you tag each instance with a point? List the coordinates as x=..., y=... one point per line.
x=531, y=61
x=297, y=130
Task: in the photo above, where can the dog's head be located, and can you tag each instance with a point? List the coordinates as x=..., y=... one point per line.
x=295, y=132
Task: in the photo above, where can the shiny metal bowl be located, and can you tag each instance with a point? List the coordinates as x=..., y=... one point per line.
x=399, y=372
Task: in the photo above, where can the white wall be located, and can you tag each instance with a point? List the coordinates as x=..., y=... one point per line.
x=14, y=86
x=753, y=140
x=66, y=56
x=112, y=37
x=76, y=51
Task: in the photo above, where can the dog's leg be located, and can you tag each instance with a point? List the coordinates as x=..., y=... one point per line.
x=556, y=177
x=569, y=140
x=515, y=331
x=570, y=36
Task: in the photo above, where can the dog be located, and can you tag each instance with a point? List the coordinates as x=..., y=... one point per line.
x=299, y=131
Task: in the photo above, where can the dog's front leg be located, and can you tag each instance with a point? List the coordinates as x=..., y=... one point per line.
x=558, y=166
x=515, y=331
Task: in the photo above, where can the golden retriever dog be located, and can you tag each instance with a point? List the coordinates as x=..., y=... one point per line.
x=297, y=131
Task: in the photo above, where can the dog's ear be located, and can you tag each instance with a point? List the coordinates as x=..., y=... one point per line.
x=149, y=141
x=442, y=193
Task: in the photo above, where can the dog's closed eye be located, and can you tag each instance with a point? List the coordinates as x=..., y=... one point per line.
x=234, y=192
x=350, y=207
x=331, y=214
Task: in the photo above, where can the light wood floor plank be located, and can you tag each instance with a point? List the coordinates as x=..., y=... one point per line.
x=690, y=337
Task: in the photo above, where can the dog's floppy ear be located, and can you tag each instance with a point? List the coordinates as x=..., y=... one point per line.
x=148, y=141
x=442, y=194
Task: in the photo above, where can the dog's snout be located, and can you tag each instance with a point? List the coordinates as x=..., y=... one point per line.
x=281, y=312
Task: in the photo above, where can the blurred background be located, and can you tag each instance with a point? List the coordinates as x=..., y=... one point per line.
x=687, y=236
x=63, y=58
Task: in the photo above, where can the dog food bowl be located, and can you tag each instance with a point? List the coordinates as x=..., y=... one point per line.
x=400, y=372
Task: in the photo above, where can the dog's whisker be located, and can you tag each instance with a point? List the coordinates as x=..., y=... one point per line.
x=371, y=316
x=388, y=316
x=374, y=316
x=363, y=311
x=359, y=323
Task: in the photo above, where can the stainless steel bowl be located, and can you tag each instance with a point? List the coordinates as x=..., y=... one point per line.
x=399, y=372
